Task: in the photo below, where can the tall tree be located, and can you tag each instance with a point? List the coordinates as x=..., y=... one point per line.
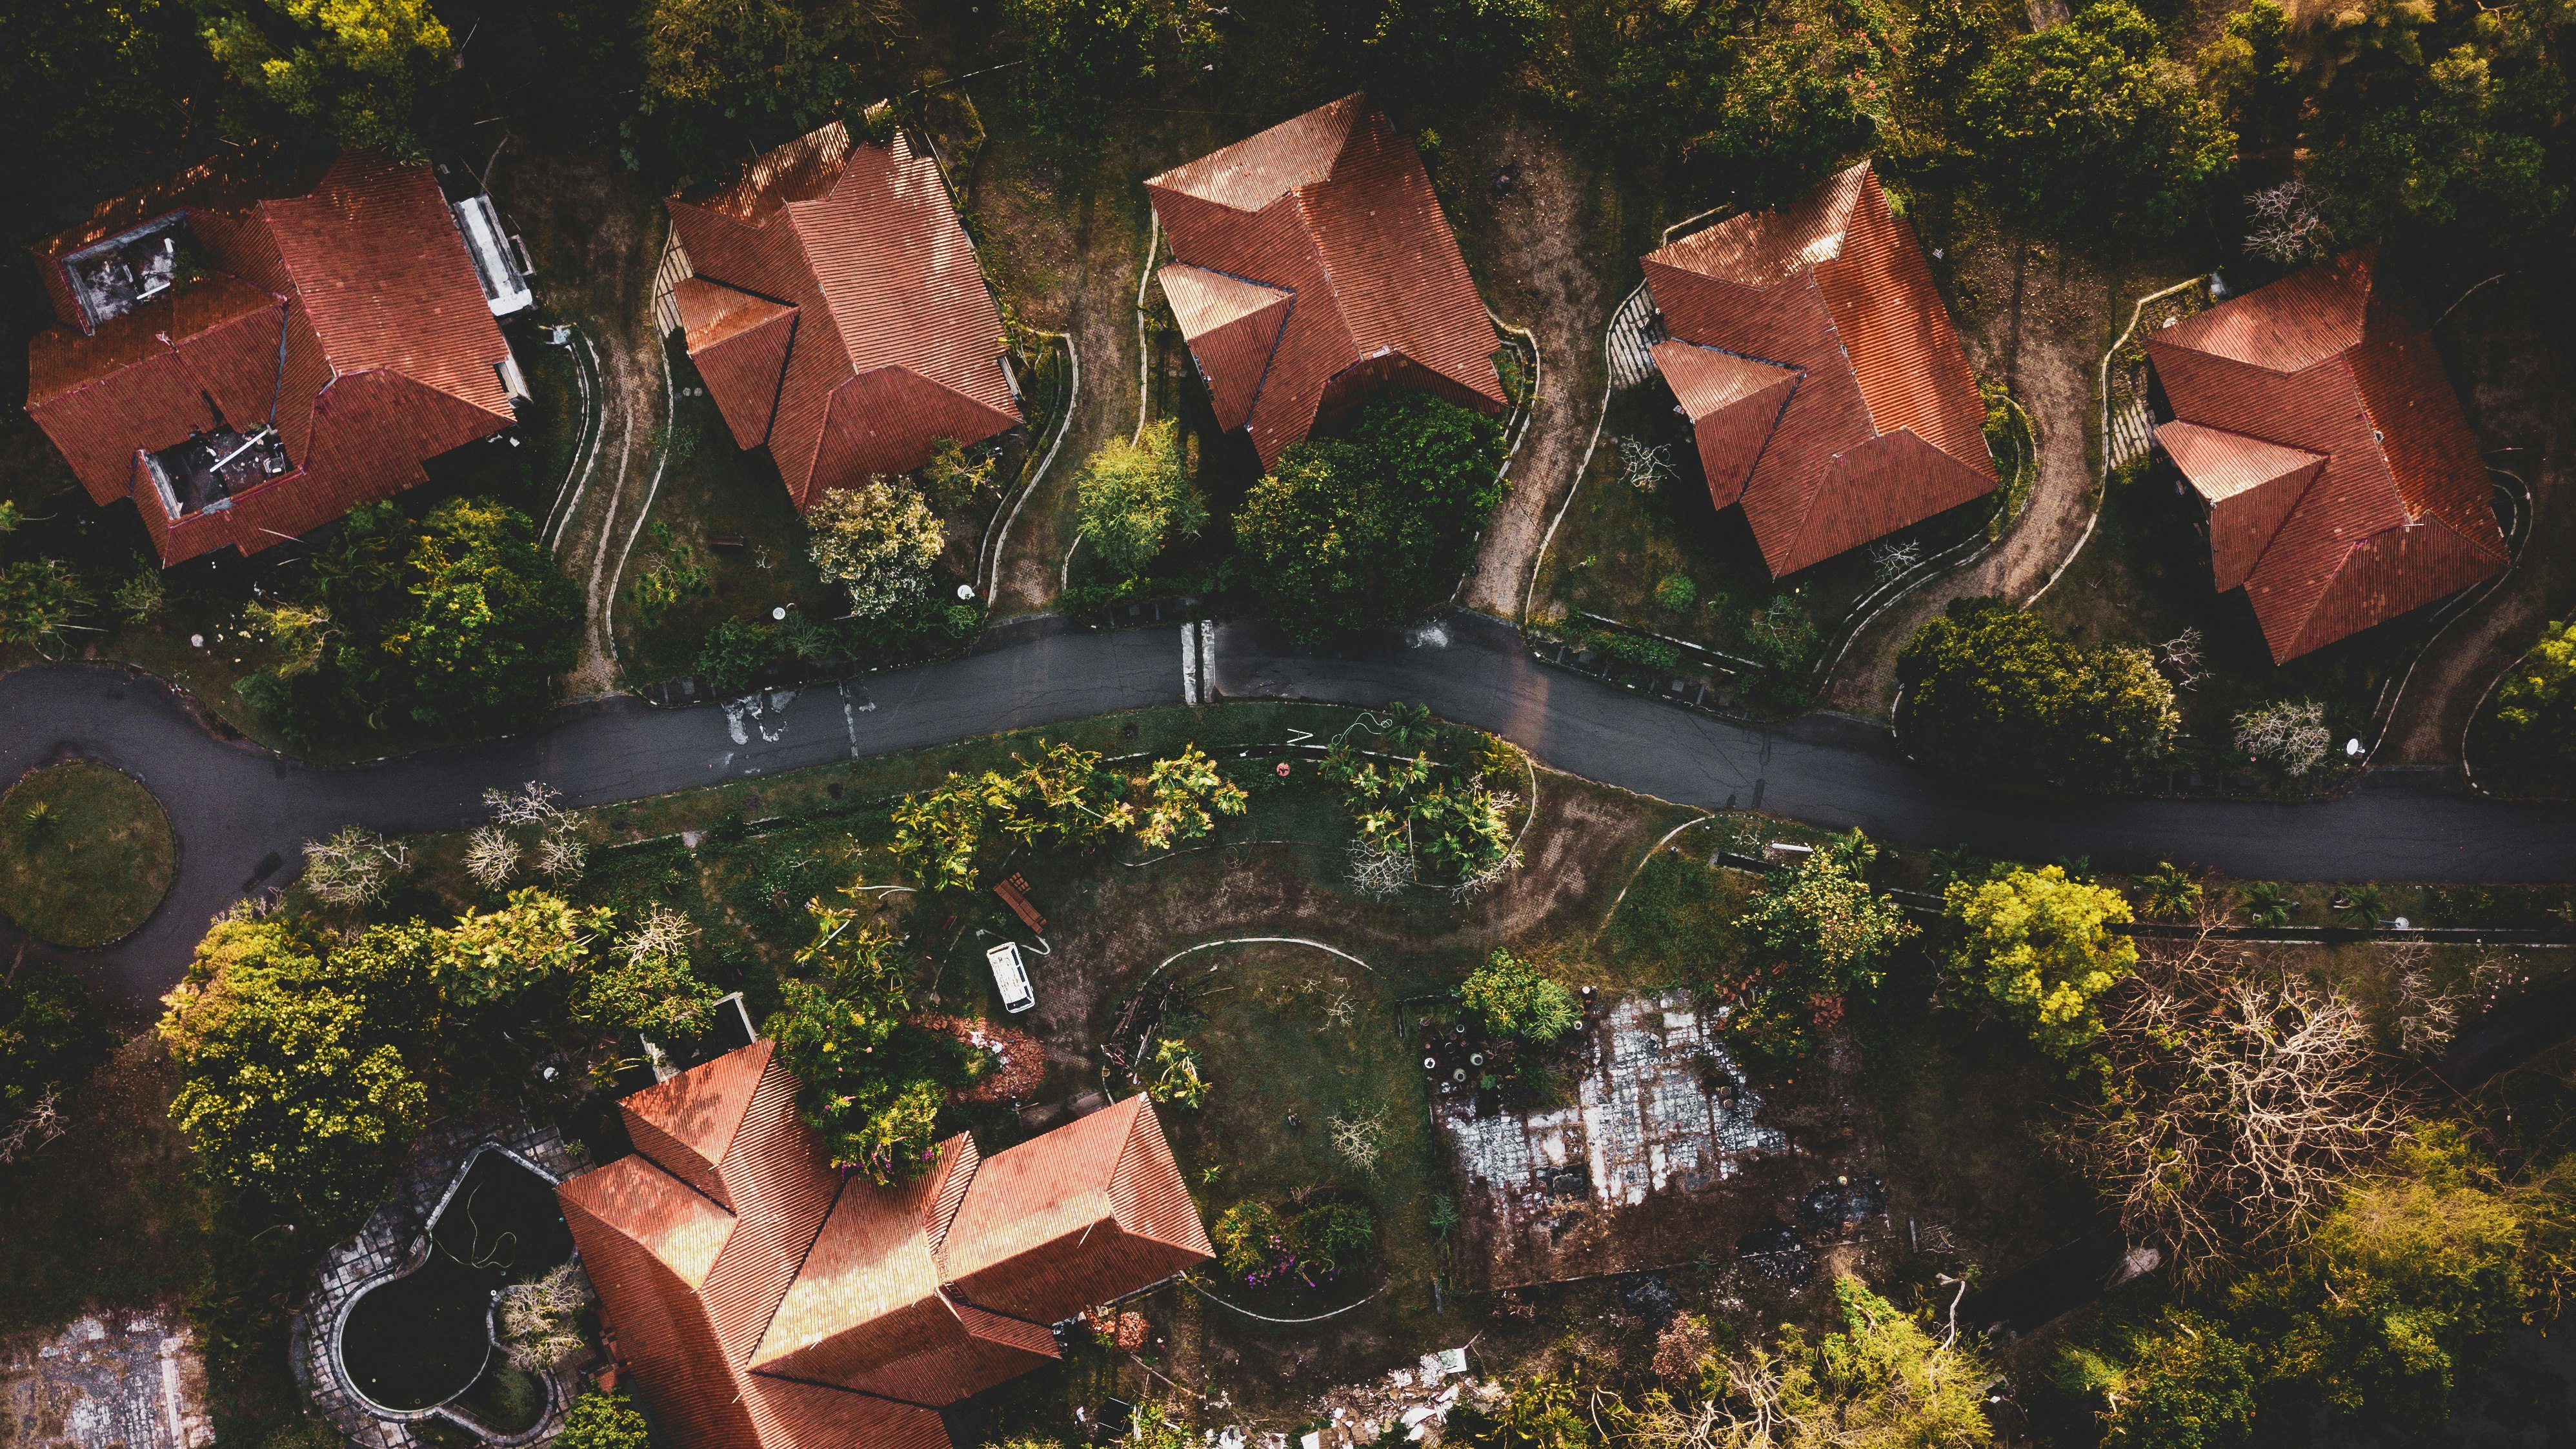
x=1993, y=693
x=2089, y=120
x=1135, y=499
x=351, y=68
x=2039, y=946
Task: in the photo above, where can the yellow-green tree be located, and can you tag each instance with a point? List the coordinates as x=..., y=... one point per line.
x=353, y=68
x=2039, y=946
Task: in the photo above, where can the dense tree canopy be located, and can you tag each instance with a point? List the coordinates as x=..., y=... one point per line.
x=1517, y=1002
x=873, y=1082
x=2039, y=945
x=878, y=540
x=1992, y=692
x=1085, y=55
x=1762, y=105
x=1134, y=499
x=351, y=68
x=1370, y=531
x=1816, y=935
x=796, y=62
x=2090, y=120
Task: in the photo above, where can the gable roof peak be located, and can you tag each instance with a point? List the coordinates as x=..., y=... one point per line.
x=1261, y=168
x=702, y=1108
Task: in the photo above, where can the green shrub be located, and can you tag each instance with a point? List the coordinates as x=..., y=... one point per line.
x=603, y=1419
x=735, y=650
x=1517, y=1002
x=1676, y=592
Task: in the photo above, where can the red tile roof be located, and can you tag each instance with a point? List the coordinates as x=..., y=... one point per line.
x=2344, y=486
x=1074, y=1218
x=823, y=1313
x=1314, y=265
x=1878, y=425
x=839, y=315
x=389, y=354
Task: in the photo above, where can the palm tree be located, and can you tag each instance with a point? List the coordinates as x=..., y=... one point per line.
x=2268, y=903
x=2169, y=892
x=2362, y=910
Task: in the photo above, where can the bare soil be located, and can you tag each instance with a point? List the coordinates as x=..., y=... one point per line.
x=2038, y=316
x=2515, y=382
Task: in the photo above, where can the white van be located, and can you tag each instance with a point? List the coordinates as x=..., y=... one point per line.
x=1011, y=975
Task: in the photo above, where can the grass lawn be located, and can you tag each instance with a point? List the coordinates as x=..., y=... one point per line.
x=86, y=854
x=2144, y=579
x=1620, y=545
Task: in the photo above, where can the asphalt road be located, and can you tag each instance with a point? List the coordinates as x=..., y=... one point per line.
x=242, y=813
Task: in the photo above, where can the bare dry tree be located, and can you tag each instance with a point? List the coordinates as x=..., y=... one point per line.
x=563, y=852
x=2180, y=658
x=353, y=867
x=1889, y=559
x=663, y=932
x=2240, y=1096
x=1378, y=873
x=490, y=856
x=1359, y=1137
x=535, y=804
x=35, y=1127
x=1753, y=1413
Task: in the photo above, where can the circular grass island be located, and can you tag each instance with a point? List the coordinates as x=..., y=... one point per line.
x=86, y=854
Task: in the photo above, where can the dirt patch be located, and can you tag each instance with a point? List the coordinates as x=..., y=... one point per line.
x=2037, y=316
x=1546, y=257
x=2515, y=381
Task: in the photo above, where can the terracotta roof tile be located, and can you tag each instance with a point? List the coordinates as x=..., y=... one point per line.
x=390, y=352
x=1073, y=1219
x=819, y=1318
x=1834, y=287
x=897, y=340
x=688, y=1123
x=1733, y=404
x=1232, y=327
x=2398, y=514
x=1334, y=209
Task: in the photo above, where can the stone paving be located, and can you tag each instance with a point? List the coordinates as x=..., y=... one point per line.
x=1661, y=1116
x=109, y=1381
x=394, y=1241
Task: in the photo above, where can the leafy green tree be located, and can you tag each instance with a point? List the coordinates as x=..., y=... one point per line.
x=957, y=473
x=1177, y=1079
x=1517, y=1002
x=1085, y=55
x=1770, y=100
x=2251, y=72
x=2408, y=1284
x=877, y=540
x=97, y=86
x=2168, y=892
x=1993, y=693
x=797, y=61
x=39, y=599
x=2089, y=121
x=1180, y=798
x=492, y=621
x=353, y=68
x=736, y=649
x=2432, y=119
x=873, y=1083
x=604, y=1419
x=2182, y=1381
x=655, y=992
x=937, y=832
x=1060, y=799
x=1369, y=532
x=287, y=1088
x=1816, y=935
x=1441, y=44
x=51, y=1034
x=2039, y=946
x=494, y=956
x=2536, y=702
x=1134, y=498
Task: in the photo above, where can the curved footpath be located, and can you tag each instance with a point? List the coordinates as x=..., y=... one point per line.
x=242, y=813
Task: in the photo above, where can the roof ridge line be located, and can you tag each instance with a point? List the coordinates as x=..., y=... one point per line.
x=840, y=1389
x=798, y=1275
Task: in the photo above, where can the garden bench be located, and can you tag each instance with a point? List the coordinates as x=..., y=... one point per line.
x=1014, y=891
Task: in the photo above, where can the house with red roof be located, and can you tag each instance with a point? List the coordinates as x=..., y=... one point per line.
x=1826, y=389
x=763, y=1299
x=248, y=360
x=2325, y=455
x=1312, y=267
x=837, y=314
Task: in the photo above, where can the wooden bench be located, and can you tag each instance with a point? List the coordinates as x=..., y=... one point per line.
x=1014, y=892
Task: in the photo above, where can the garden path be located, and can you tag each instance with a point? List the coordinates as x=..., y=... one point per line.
x=1546, y=274
x=2046, y=342
x=2514, y=381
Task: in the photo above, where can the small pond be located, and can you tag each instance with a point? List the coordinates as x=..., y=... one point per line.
x=424, y=1339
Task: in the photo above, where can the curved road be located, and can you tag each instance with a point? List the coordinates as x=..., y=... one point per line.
x=242, y=813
